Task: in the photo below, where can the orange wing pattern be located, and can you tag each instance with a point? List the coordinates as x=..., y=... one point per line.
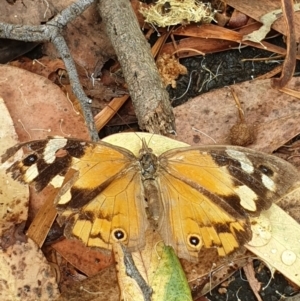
x=200, y=197
x=198, y=222
x=103, y=202
x=208, y=193
x=116, y=214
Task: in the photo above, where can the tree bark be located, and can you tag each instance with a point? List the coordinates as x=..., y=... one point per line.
x=149, y=97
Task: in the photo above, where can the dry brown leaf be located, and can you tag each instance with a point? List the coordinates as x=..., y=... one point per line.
x=289, y=63
x=209, y=31
x=29, y=12
x=102, y=287
x=37, y=106
x=25, y=275
x=210, y=271
x=207, y=119
x=237, y=19
x=14, y=195
x=199, y=45
x=210, y=38
x=44, y=66
x=88, y=261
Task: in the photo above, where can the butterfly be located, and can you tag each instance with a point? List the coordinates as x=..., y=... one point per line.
x=196, y=197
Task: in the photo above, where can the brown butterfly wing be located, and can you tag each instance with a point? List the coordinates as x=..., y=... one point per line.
x=102, y=202
x=209, y=192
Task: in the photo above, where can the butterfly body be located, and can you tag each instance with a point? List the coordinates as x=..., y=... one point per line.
x=196, y=197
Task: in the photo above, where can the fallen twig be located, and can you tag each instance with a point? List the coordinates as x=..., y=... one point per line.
x=149, y=96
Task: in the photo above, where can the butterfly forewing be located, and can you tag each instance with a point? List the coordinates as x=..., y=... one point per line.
x=247, y=180
x=96, y=168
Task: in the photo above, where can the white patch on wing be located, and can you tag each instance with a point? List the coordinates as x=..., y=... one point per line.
x=268, y=182
x=31, y=173
x=247, y=196
x=52, y=147
x=246, y=164
x=65, y=198
x=57, y=181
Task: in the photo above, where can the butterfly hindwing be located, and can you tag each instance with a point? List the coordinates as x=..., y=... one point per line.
x=199, y=222
x=115, y=213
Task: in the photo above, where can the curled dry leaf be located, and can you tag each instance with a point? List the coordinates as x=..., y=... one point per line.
x=291, y=51
x=253, y=282
x=256, y=8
